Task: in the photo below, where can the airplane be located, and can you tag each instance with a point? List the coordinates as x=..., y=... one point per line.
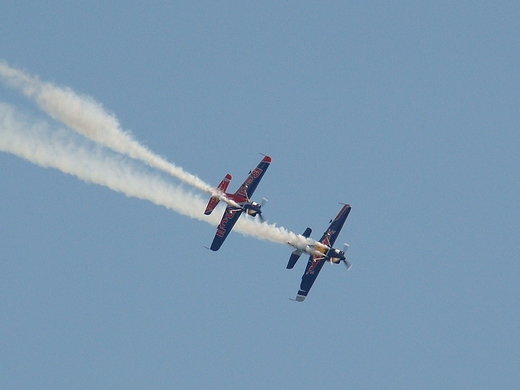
x=320, y=252
x=237, y=203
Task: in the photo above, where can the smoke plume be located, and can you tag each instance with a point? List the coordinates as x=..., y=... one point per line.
x=38, y=142
x=88, y=117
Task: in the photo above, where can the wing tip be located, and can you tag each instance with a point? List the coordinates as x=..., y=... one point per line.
x=299, y=297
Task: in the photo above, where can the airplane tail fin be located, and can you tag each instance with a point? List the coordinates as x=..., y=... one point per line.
x=213, y=201
x=295, y=255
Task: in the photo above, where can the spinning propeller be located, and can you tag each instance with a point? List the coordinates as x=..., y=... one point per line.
x=348, y=264
x=255, y=207
x=264, y=201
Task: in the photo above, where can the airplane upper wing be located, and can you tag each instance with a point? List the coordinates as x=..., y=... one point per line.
x=229, y=219
x=314, y=265
x=332, y=233
x=249, y=186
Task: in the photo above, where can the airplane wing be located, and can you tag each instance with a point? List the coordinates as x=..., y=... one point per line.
x=249, y=186
x=314, y=265
x=309, y=276
x=229, y=219
x=332, y=233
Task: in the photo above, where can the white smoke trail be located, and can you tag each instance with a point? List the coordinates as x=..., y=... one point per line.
x=89, y=118
x=36, y=142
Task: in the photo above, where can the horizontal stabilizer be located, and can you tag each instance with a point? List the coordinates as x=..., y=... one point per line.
x=307, y=232
x=214, y=200
x=294, y=258
x=295, y=255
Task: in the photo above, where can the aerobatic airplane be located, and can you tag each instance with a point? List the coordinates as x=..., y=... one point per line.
x=237, y=202
x=320, y=252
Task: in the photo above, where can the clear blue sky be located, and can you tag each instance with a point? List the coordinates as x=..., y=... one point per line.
x=406, y=110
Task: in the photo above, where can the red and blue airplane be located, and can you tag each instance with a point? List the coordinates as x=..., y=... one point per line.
x=237, y=202
x=320, y=252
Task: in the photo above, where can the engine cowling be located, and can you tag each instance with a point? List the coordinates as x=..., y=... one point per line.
x=251, y=212
x=336, y=256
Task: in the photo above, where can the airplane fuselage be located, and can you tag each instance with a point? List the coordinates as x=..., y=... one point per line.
x=319, y=251
x=251, y=208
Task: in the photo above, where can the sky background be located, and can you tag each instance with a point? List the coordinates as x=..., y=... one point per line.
x=409, y=111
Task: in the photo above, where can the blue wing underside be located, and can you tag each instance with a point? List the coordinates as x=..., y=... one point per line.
x=229, y=219
x=249, y=185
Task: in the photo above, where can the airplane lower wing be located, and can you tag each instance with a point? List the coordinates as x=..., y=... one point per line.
x=309, y=277
x=229, y=219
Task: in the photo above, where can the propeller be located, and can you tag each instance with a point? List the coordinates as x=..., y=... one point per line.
x=348, y=264
x=264, y=201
